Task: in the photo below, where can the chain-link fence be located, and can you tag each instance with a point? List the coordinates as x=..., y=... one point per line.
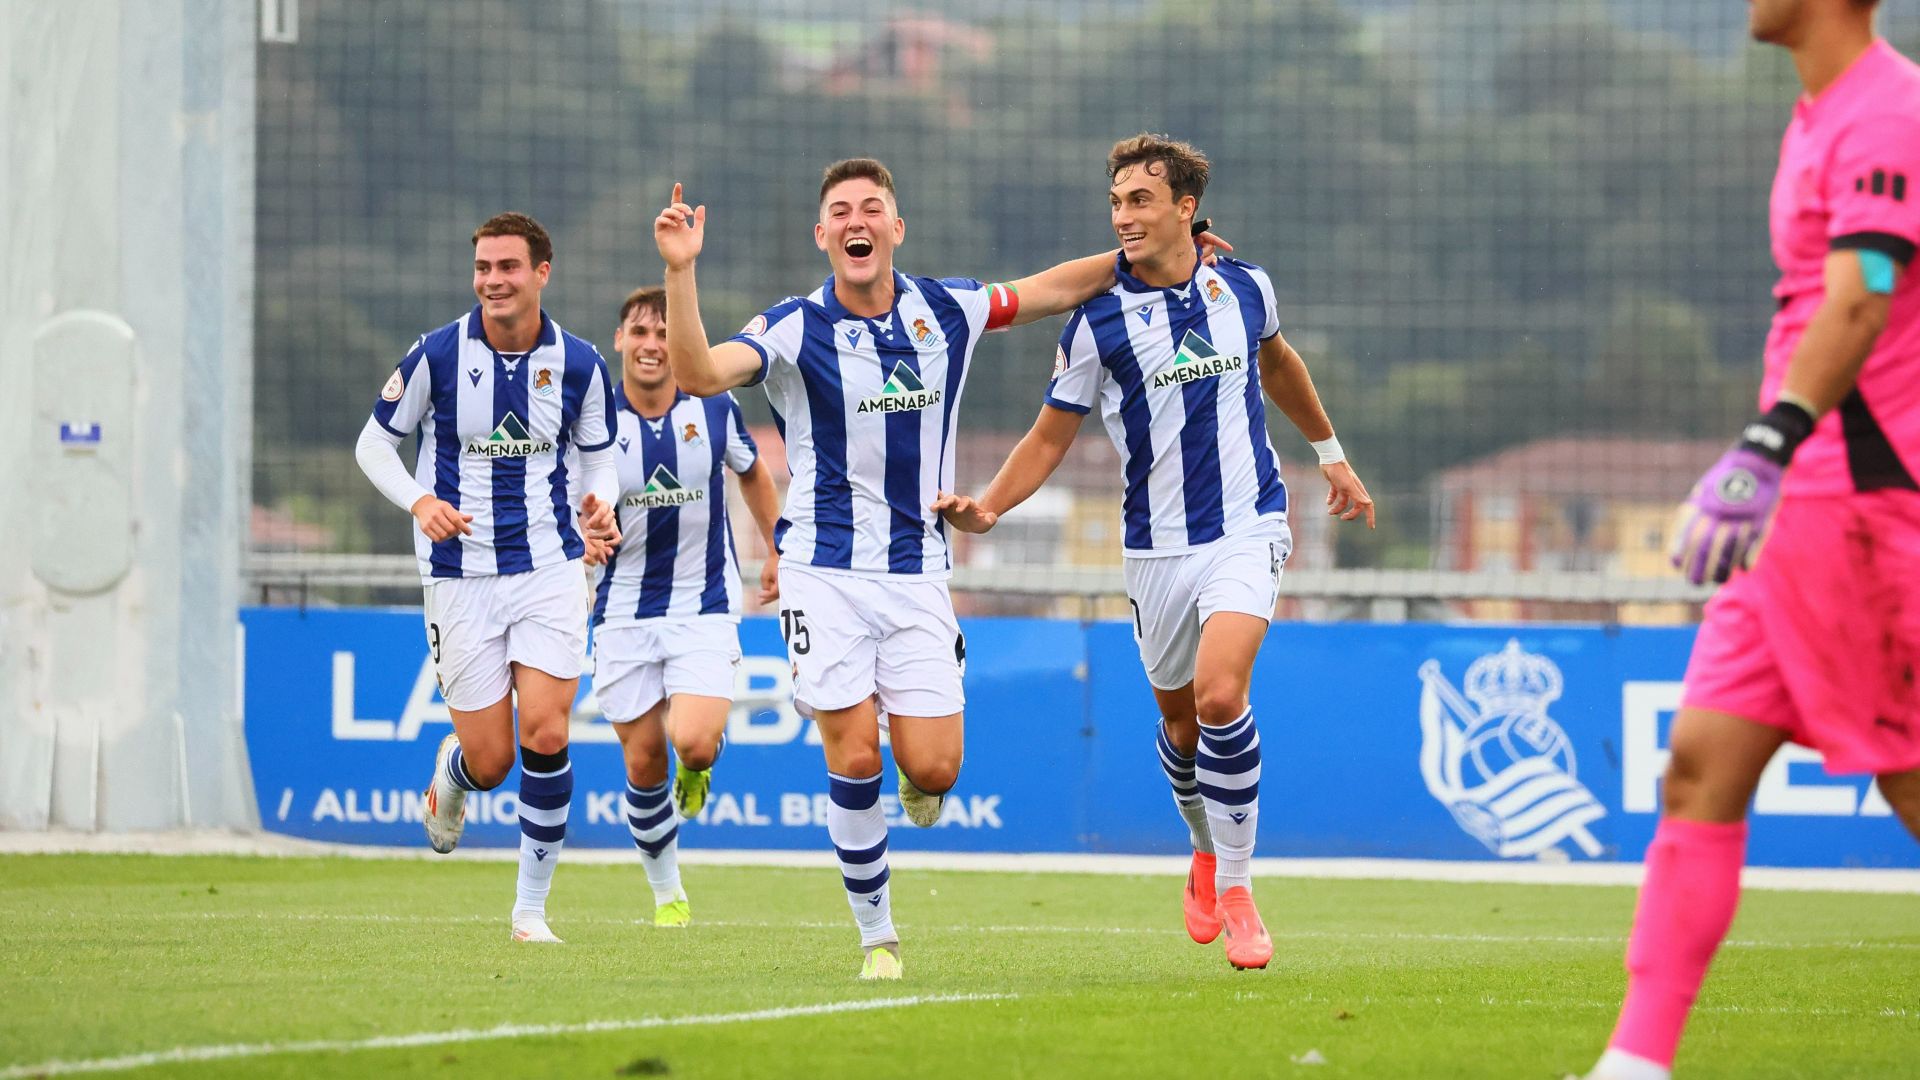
x=1521, y=244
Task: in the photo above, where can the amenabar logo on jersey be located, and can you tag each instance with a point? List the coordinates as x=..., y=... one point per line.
x=663, y=489
x=1196, y=360
x=510, y=439
x=903, y=392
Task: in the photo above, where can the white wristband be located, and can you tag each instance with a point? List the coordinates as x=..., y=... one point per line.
x=1329, y=450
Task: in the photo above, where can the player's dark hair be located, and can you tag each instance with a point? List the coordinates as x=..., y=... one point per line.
x=514, y=223
x=859, y=168
x=651, y=297
x=1179, y=164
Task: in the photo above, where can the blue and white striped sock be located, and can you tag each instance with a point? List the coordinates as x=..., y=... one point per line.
x=859, y=833
x=457, y=771
x=1186, y=790
x=655, y=826
x=546, y=789
x=1227, y=768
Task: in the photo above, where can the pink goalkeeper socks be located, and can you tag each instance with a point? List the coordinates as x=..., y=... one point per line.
x=1686, y=905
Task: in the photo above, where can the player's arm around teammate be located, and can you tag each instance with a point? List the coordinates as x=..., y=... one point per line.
x=701, y=368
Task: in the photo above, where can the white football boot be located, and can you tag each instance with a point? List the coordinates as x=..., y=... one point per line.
x=446, y=808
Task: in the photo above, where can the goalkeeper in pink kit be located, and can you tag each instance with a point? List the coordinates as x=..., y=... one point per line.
x=1812, y=519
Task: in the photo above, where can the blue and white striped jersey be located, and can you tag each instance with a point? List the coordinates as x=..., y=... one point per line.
x=867, y=408
x=676, y=556
x=495, y=430
x=1177, y=375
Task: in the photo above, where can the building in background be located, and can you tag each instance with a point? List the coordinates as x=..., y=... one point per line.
x=1593, y=505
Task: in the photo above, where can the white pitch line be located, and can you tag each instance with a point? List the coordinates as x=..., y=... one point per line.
x=182, y=1054
x=1511, y=872
x=1855, y=944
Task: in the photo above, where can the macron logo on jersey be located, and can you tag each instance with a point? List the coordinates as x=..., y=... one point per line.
x=1196, y=360
x=510, y=439
x=664, y=489
x=903, y=392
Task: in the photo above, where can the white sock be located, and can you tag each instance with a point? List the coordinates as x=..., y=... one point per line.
x=1227, y=769
x=858, y=829
x=544, y=797
x=1620, y=1065
x=655, y=827
x=1186, y=790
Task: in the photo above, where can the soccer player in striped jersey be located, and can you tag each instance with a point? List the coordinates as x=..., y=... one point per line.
x=865, y=375
x=666, y=611
x=1817, y=642
x=500, y=398
x=1169, y=355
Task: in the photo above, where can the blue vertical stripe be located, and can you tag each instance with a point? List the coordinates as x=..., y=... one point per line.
x=512, y=554
x=826, y=404
x=606, y=586
x=1107, y=320
x=959, y=335
x=739, y=427
x=663, y=522
x=781, y=524
x=576, y=380
x=906, y=519
x=713, y=599
x=1200, y=435
x=444, y=367
x=1272, y=496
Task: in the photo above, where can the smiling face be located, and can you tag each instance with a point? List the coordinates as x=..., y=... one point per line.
x=641, y=341
x=859, y=229
x=1152, y=225
x=506, y=279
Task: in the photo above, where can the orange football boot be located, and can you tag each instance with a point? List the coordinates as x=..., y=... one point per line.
x=1248, y=945
x=1199, y=903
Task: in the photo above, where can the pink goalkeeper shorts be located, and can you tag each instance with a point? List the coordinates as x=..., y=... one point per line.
x=1821, y=639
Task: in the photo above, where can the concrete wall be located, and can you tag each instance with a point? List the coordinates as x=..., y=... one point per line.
x=125, y=350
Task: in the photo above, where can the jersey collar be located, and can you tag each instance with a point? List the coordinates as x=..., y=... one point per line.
x=836, y=312
x=1808, y=110
x=1123, y=273
x=549, y=333
x=620, y=402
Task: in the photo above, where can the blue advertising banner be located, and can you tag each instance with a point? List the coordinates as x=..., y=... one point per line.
x=1412, y=741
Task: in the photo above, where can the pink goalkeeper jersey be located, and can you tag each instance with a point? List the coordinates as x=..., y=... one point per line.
x=1850, y=179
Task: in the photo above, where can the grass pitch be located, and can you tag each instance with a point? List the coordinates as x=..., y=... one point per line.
x=301, y=963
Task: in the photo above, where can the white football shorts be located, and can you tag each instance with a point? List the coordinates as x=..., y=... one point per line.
x=638, y=664
x=849, y=637
x=478, y=627
x=1173, y=596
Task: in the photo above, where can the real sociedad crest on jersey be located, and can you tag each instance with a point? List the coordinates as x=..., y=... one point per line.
x=1495, y=759
x=1218, y=295
x=924, y=336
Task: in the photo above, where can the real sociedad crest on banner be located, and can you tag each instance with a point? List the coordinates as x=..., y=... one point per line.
x=1498, y=762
